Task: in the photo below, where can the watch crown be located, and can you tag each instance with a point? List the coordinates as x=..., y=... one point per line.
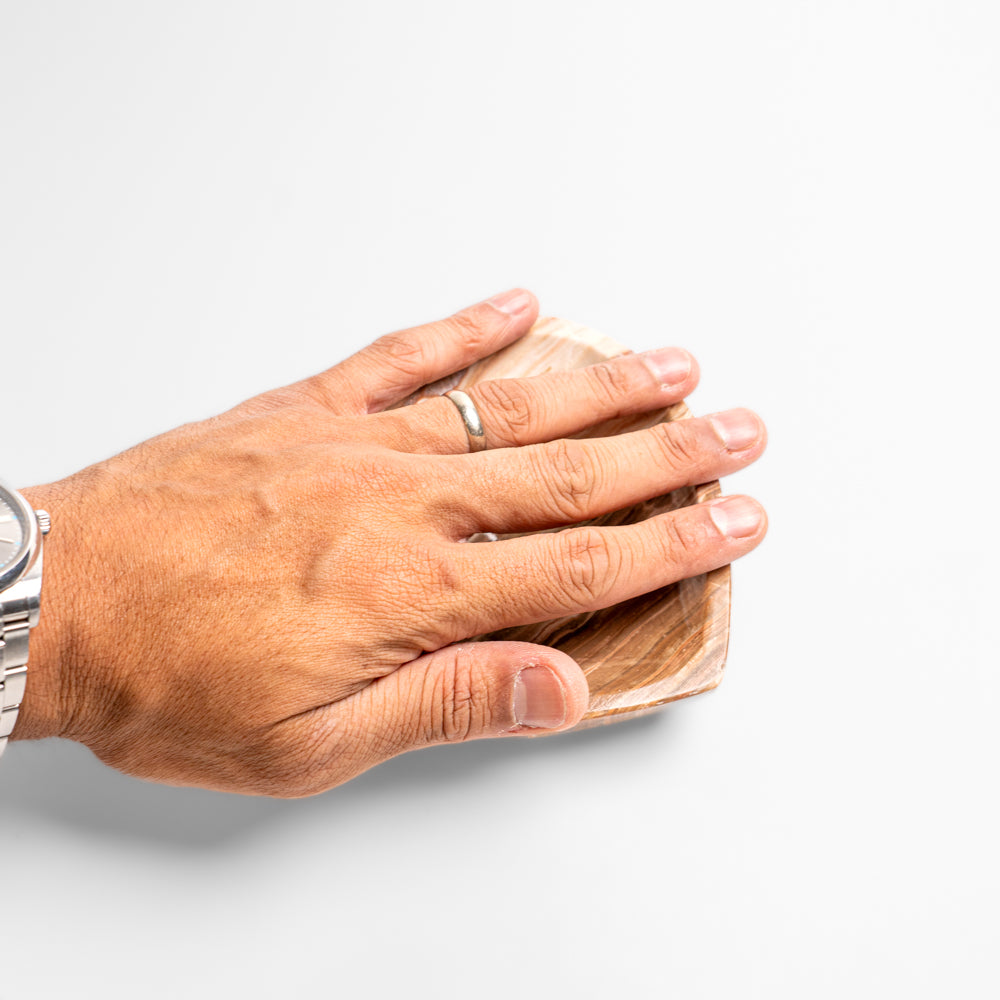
x=44, y=521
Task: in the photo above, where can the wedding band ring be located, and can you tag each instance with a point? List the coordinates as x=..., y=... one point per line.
x=470, y=417
x=484, y=536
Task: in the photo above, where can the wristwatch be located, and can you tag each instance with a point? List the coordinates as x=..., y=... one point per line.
x=21, y=532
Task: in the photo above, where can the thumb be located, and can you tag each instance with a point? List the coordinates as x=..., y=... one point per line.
x=472, y=690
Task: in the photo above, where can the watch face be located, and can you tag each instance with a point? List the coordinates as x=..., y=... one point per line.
x=12, y=531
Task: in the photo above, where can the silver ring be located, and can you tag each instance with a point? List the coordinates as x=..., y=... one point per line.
x=470, y=417
x=484, y=536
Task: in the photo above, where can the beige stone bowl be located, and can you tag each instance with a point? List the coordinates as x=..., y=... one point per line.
x=644, y=653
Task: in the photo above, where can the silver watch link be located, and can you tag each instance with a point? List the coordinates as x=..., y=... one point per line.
x=21, y=533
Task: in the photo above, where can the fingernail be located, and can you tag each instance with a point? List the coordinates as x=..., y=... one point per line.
x=539, y=701
x=737, y=429
x=513, y=302
x=737, y=517
x=670, y=365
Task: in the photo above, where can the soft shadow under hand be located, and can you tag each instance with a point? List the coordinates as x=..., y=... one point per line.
x=64, y=784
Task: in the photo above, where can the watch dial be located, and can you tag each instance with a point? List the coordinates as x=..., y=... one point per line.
x=11, y=533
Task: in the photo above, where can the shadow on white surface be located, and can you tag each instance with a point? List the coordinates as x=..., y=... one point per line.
x=61, y=783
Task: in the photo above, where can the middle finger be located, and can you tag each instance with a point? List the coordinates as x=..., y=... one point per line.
x=568, y=481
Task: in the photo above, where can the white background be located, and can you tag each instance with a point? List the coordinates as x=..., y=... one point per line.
x=202, y=199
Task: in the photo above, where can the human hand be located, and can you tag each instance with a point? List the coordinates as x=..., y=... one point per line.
x=273, y=600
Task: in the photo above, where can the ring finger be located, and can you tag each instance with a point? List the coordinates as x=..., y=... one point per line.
x=520, y=411
x=568, y=481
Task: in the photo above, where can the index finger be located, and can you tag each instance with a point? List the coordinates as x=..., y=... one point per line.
x=550, y=575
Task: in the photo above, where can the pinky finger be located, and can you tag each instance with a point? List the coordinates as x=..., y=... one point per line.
x=395, y=365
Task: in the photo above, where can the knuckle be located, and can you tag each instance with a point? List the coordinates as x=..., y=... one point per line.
x=362, y=477
x=436, y=574
x=430, y=596
x=589, y=564
x=512, y=411
x=403, y=352
x=572, y=474
x=471, y=326
x=678, y=445
x=454, y=709
x=324, y=390
x=610, y=383
x=678, y=540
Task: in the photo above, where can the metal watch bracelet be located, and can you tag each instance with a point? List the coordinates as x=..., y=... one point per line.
x=13, y=671
x=22, y=530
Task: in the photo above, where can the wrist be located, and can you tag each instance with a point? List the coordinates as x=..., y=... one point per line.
x=45, y=709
